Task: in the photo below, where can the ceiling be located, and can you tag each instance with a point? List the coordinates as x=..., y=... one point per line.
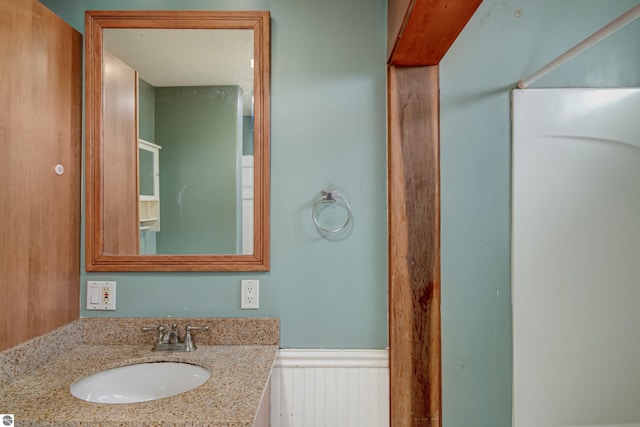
x=172, y=57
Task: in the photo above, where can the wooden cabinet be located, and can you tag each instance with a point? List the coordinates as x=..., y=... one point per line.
x=40, y=127
x=120, y=130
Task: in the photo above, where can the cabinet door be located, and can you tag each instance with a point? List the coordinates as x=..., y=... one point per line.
x=120, y=216
x=40, y=127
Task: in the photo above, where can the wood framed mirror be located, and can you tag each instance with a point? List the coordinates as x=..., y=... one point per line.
x=177, y=140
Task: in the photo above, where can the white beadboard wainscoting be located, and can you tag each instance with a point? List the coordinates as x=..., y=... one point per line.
x=330, y=388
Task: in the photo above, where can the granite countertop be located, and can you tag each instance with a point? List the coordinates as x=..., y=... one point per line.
x=231, y=397
x=35, y=377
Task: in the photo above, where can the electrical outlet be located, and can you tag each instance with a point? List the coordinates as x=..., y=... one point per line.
x=101, y=295
x=106, y=295
x=249, y=294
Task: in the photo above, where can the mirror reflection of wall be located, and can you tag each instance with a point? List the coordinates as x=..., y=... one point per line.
x=202, y=119
x=200, y=131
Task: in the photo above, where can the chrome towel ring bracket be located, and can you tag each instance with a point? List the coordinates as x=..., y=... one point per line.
x=330, y=196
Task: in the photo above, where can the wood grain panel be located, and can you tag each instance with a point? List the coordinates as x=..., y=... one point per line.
x=40, y=83
x=429, y=28
x=120, y=151
x=397, y=13
x=414, y=246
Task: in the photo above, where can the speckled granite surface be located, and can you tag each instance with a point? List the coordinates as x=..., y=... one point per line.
x=24, y=358
x=239, y=375
x=227, y=331
x=41, y=397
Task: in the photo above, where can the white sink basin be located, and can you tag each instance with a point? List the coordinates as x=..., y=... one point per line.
x=139, y=383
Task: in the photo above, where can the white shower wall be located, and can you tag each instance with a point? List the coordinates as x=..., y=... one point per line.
x=576, y=257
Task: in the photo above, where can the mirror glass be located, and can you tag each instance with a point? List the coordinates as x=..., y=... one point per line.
x=195, y=124
x=177, y=138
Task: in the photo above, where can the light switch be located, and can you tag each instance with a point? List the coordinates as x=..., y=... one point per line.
x=95, y=295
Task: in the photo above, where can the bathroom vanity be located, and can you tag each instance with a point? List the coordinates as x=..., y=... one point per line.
x=236, y=394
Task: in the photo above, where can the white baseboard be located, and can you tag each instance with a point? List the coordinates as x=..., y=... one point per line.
x=330, y=388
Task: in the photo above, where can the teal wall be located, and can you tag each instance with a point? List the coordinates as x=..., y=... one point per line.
x=247, y=135
x=146, y=111
x=328, y=128
x=328, y=102
x=200, y=131
x=201, y=135
x=506, y=40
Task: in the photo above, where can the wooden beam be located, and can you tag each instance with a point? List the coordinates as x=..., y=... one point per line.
x=420, y=32
x=414, y=247
x=397, y=11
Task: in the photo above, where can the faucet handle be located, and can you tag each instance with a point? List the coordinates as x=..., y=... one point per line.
x=188, y=341
x=160, y=330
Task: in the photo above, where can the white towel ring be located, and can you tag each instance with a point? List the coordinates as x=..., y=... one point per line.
x=330, y=196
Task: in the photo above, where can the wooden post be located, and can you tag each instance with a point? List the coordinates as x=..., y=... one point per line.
x=414, y=247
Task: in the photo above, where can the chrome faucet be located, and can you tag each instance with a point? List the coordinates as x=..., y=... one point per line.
x=170, y=340
x=171, y=334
